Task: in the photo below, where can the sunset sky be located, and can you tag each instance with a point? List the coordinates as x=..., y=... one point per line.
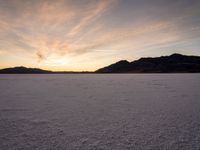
x=84, y=35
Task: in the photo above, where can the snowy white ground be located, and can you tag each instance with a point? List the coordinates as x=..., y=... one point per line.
x=119, y=112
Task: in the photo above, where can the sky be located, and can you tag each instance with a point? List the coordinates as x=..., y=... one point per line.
x=84, y=35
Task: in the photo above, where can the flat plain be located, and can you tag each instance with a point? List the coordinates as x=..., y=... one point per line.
x=100, y=111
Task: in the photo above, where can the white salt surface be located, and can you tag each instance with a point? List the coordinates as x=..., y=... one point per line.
x=100, y=112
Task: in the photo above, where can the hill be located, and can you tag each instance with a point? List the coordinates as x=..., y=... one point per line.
x=175, y=63
x=23, y=70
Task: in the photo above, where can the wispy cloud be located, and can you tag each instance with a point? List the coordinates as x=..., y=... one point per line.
x=92, y=14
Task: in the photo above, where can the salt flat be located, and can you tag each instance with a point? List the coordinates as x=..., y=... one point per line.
x=100, y=111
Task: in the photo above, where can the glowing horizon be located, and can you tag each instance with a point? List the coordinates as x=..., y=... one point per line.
x=73, y=35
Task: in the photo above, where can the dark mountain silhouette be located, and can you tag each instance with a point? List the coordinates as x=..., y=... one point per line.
x=23, y=70
x=175, y=63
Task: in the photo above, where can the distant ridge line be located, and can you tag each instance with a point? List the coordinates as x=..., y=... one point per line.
x=25, y=70
x=175, y=63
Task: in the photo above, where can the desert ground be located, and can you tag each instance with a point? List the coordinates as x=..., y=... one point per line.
x=100, y=111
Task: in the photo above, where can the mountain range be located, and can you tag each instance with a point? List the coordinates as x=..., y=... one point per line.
x=175, y=63
x=23, y=70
